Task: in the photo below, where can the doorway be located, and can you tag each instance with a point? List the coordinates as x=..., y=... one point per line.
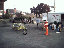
x=62, y=18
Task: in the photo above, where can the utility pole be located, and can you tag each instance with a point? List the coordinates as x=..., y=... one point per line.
x=54, y=5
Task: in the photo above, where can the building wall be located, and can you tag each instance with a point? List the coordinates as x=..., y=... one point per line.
x=3, y=0
x=1, y=5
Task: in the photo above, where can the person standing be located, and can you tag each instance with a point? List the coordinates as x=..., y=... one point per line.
x=53, y=26
x=32, y=20
x=29, y=19
x=37, y=21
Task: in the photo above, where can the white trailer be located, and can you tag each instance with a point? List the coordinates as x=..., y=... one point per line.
x=51, y=17
x=54, y=17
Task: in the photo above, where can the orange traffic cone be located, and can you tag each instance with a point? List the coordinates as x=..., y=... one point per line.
x=46, y=31
x=46, y=26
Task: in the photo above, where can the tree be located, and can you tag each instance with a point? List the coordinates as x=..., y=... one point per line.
x=7, y=15
x=41, y=8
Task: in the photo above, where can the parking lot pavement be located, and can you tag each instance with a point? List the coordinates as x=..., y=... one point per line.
x=34, y=39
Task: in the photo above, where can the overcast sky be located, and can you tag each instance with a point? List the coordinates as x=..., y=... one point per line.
x=25, y=5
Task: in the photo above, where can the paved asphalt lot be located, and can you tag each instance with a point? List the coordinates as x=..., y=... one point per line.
x=34, y=39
